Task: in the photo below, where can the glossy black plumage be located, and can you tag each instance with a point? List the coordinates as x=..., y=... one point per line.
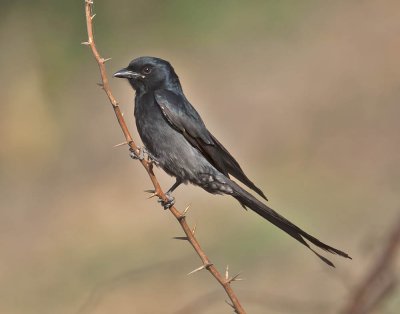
x=177, y=138
x=182, y=116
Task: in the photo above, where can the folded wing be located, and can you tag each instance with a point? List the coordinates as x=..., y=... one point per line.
x=186, y=120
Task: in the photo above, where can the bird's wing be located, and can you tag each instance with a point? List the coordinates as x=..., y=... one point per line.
x=185, y=119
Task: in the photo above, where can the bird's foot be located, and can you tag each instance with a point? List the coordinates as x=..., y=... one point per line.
x=169, y=202
x=141, y=155
x=137, y=155
x=166, y=204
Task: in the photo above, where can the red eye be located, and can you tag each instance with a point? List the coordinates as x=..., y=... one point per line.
x=146, y=70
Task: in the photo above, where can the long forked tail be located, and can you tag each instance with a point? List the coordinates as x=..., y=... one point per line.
x=248, y=200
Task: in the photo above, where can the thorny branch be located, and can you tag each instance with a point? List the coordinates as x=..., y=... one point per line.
x=180, y=216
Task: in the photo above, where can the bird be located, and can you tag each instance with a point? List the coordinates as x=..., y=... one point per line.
x=178, y=141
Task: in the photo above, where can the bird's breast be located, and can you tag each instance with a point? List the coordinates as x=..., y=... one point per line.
x=167, y=145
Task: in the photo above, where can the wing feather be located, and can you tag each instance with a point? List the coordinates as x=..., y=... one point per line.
x=186, y=120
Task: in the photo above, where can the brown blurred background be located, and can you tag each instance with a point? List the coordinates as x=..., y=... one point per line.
x=305, y=94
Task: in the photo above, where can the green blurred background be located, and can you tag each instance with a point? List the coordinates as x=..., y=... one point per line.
x=304, y=93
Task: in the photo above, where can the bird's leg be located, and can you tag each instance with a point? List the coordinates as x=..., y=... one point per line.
x=170, y=199
x=140, y=156
x=174, y=186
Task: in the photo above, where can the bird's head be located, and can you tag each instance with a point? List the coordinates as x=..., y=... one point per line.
x=149, y=73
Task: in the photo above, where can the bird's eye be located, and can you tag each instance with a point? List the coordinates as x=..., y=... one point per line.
x=146, y=70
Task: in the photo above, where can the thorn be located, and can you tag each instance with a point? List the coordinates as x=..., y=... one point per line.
x=122, y=114
x=230, y=304
x=181, y=238
x=101, y=85
x=92, y=17
x=150, y=191
x=86, y=43
x=200, y=268
x=197, y=269
x=227, y=273
x=102, y=60
x=152, y=195
x=235, y=278
x=194, y=229
x=183, y=214
x=121, y=144
x=186, y=210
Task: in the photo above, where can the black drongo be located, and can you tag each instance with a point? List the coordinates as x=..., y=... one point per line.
x=177, y=139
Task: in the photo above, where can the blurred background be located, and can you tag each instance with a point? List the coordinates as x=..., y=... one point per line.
x=305, y=94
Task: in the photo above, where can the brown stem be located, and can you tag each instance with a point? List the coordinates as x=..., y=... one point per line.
x=379, y=281
x=225, y=282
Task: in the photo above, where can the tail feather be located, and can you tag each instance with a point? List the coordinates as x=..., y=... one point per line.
x=248, y=200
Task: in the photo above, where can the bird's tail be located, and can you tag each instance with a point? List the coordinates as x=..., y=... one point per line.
x=248, y=200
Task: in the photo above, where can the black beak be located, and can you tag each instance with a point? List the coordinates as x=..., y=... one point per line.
x=128, y=74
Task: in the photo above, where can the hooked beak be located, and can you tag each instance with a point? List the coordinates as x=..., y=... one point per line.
x=128, y=74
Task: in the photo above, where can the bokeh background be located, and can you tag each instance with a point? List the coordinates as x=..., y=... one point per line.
x=305, y=94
